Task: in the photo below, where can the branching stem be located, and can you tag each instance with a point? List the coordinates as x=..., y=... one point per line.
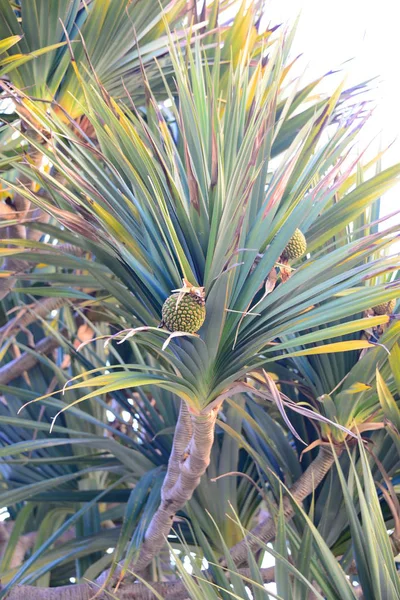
x=265, y=531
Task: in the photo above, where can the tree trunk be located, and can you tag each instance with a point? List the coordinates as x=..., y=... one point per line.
x=169, y=590
x=69, y=592
x=189, y=459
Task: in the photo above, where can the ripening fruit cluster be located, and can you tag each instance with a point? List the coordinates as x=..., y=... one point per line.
x=187, y=315
x=185, y=310
x=296, y=246
x=386, y=308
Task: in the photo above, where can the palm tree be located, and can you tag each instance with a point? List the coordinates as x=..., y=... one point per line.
x=208, y=186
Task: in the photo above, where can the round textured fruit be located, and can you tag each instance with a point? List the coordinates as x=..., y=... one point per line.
x=386, y=308
x=296, y=247
x=187, y=316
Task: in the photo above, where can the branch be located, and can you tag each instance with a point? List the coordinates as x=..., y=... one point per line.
x=25, y=543
x=190, y=456
x=169, y=590
x=12, y=264
x=30, y=314
x=82, y=591
x=5, y=528
x=303, y=487
x=17, y=265
x=19, y=209
x=27, y=360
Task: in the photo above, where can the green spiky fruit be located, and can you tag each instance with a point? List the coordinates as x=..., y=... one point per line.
x=186, y=315
x=386, y=308
x=296, y=247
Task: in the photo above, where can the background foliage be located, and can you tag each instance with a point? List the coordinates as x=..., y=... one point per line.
x=139, y=146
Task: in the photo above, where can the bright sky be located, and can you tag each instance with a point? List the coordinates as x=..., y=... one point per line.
x=367, y=32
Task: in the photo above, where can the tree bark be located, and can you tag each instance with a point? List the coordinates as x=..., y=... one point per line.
x=30, y=314
x=189, y=459
x=71, y=592
x=182, y=435
x=16, y=265
x=25, y=542
x=26, y=361
x=169, y=590
x=303, y=487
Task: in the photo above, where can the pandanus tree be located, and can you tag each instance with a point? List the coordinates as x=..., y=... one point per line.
x=203, y=175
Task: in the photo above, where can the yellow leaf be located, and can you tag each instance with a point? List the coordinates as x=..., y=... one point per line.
x=116, y=227
x=336, y=347
x=10, y=251
x=348, y=292
x=357, y=387
x=252, y=86
x=387, y=402
x=4, y=349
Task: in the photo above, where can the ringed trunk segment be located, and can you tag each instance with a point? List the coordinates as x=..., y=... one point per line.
x=182, y=436
x=82, y=591
x=170, y=590
x=266, y=530
x=193, y=440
